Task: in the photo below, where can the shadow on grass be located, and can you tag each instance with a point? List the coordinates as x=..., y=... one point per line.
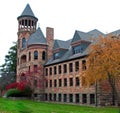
x=25, y=111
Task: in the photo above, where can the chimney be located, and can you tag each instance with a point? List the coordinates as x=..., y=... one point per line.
x=50, y=41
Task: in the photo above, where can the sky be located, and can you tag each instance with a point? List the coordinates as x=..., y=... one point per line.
x=65, y=16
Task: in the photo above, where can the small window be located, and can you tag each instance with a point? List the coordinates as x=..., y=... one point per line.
x=56, y=55
x=60, y=82
x=50, y=83
x=65, y=81
x=70, y=67
x=77, y=49
x=50, y=70
x=71, y=81
x=55, y=83
x=23, y=43
x=83, y=65
x=55, y=70
x=29, y=56
x=35, y=55
x=77, y=81
x=65, y=68
x=46, y=70
x=59, y=69
x=43, y=55
x=77, y=66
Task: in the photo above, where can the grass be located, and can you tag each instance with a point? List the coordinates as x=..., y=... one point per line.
x=29, y=106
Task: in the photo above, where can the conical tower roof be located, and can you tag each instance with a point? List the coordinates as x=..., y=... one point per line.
x=27, y=12
x=37, y=38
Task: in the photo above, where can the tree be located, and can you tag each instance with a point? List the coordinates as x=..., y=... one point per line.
x=8, y=69
x=103, y=63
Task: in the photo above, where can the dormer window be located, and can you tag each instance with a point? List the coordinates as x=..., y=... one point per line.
x=56, y=55
x=77, y=49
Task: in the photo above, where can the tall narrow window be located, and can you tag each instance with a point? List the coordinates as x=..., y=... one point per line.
x=46, y=70
x=77, y=66
x=50, y=70
x=59, y=69
x=23, y=43
x=65, y=68
x=83, y=65
x=71, y=81
x=35, y=55
x=70, y=67
x=55, y=70
x=77, y=81
x=29, y=56
x=65, y=81
x=43, y=55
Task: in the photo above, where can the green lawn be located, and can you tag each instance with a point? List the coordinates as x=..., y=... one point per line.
x=28, y=106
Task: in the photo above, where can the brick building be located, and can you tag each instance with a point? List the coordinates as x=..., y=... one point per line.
x=59, y=62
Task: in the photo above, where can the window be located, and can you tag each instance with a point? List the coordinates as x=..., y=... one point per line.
x=65, y=81
x=77, y=66
x=83, y=65
x=92, y=99
x=77, y=98
x=65, y=97
x=50, y=96
x=43, y=55
x=29, y=56
x=23, y=42
x=50, y=70
x=59, y=69
x=65, y=68
x=70, y=97
x=46, y=71
x=71, y=81
x=35, y=55
x=77, y=49
x=70, y=67
x=55, y=70
x=84, y=98
x=77, y=81
x=60, y=82
x=56, y=55
x=59, y=97
x=46, y=85
x=55, y=83
x=50, y=83
x=54, y=98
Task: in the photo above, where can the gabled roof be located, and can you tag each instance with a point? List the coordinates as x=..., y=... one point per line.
x=27, y=12
x=79, y=35
x=95, y=33
x=117, y=32
x=37, y=38
x=61, y=44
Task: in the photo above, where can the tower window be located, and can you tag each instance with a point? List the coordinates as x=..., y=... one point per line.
x=23, y=43
x=29, y=56
x=43, y=55
x=35, y=55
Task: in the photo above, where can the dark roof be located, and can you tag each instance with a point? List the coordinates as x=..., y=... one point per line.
x=61, y=44
x=27, y=12
x=88, y=37
x=117, y=32
x=95, y=33
x=37, y=38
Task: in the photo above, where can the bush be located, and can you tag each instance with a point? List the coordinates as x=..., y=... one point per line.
x=13, y=93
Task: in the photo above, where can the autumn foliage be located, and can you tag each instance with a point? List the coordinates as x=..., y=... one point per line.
x=103, y=60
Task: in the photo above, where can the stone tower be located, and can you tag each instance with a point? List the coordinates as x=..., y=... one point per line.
x=31, y=51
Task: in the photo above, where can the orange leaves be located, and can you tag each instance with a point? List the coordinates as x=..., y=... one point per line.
x=104, y=58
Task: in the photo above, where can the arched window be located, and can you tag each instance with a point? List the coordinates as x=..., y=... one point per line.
x=43, y=55
x=23, y=43
x=35, y=55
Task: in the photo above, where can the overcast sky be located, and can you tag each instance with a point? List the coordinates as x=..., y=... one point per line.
x=65, y=16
